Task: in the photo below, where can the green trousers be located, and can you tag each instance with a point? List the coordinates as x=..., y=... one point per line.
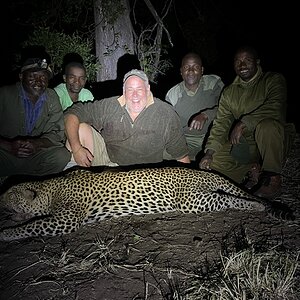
x=45, y=162
x=268, y=145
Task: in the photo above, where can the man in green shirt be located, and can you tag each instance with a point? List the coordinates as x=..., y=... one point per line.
x=250, y=130
x=73, y=89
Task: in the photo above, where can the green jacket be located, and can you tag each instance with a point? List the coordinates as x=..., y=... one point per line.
x=250, y=102
x=49, y=125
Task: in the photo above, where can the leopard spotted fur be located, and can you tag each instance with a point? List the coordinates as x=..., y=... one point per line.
x=62, y=204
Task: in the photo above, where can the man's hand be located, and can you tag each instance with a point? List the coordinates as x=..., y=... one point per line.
x=206, y=160
x=237, y=132
x=83, y=157
x=27, y=148
x=198, y=121
x=23, y=148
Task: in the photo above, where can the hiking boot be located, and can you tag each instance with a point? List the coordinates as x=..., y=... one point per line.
x=270, y=185
x=252, y=177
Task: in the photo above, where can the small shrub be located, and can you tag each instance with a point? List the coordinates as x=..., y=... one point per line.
x=58, y=44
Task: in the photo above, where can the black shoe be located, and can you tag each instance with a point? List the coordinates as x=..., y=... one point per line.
x=270, y=185
x=252, y=177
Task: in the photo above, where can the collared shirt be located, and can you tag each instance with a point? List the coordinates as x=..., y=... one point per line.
x=32, y=110
x=155, y=130
x=188, y=103
x=65, y=99
x=49, y=124
x=262, y=97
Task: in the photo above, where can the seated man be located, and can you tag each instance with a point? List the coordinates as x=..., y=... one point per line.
x=31, y=124
x=135, y=128
x=250, y=130
x=73, y=89
x=195, y=99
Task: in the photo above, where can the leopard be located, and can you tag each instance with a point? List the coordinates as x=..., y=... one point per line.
x=60, y=205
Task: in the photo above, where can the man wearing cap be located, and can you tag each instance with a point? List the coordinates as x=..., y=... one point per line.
x=135, y=128
x=31, y=124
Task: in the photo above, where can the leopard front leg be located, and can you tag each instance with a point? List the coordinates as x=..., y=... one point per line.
x=47, y=226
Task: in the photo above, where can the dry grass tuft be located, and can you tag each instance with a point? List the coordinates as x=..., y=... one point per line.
x=249, y=275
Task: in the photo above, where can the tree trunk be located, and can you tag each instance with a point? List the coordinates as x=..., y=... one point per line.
x=113, y=35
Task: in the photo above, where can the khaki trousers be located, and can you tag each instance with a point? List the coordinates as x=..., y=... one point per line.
x=101, y=157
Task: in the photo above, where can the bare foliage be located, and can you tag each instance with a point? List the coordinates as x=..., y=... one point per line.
x=149, y=46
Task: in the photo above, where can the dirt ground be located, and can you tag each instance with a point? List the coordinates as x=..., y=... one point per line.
x=144, y=257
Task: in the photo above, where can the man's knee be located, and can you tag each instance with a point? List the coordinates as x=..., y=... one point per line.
x=85, y=129
x=56, y=159
x=86, y=136
x=269, y=126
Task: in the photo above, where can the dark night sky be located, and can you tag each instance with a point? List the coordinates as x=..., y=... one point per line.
x=271, y=29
